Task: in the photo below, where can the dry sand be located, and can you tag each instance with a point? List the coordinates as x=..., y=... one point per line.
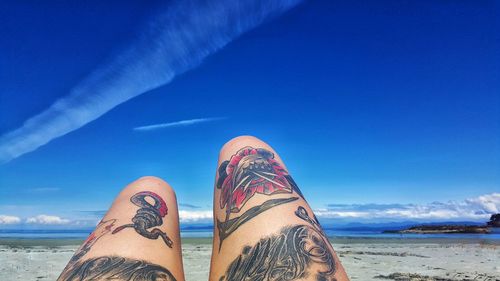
x=363, y=259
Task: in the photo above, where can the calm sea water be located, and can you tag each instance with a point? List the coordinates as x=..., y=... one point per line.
x=207, y=233
x=378, y=234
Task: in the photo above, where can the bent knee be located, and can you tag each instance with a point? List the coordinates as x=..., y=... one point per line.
x=150, y=180
x=242, y=141
x=149, y=183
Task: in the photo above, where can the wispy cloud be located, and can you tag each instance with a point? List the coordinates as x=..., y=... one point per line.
x=177, y=123
x=5, y=219
x=46, y=219
x=177, y=40
x=479, y=208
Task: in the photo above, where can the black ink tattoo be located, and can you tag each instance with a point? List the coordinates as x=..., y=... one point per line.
x=148, y=216
x=301, y=212
x=250, y=171
x=102, y=228
x=229, y=226
x=297, y=252
x=116, y=268
x=120, y=268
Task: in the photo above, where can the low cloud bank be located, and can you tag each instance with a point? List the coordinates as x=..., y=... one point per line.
x=473, y=209
x=195, y=216
x=5, y=219
x=478, y=209
x=47, y=220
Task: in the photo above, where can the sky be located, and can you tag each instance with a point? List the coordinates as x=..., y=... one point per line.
x=386, y=110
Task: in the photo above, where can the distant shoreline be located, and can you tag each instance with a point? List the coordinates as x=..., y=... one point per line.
x=60, y=242
x=61, y=238
x=444, y=229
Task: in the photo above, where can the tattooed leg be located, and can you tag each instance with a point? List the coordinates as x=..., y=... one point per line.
x=264, y=228
x=148, y=216
x=116, y=268
x=138, y=238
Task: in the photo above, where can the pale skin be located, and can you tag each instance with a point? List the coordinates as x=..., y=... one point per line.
x=128, y=243
x=268, y=223
x=265, y=224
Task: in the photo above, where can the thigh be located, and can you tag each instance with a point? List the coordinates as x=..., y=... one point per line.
x=138, y=238
x=264, y=227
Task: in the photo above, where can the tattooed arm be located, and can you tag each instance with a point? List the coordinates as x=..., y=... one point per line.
x=264, y=228
x=131, y=242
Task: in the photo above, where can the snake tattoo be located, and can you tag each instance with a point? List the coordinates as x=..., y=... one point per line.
x=148, y=216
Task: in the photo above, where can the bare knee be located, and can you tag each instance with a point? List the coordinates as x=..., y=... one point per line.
x=151, y=180
x=242, y=141
x=149, y=183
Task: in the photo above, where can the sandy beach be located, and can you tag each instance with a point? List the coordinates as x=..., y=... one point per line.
x=364, y=259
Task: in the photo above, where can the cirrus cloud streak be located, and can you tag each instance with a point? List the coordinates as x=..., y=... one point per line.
x=181, y=123
x=173, y=42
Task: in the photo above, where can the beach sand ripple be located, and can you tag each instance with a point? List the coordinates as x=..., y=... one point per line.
x=369, y=260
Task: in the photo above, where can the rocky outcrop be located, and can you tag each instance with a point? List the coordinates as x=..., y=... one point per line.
x=494, y=221
x=447, y=229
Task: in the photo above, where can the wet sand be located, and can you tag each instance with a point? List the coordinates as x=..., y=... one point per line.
x=364, y=259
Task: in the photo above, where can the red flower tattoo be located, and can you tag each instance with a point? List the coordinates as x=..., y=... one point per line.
x=250, y=171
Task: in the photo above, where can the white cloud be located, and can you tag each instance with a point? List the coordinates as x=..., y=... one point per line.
x=490, y=203
x=195, y=216
x=4, y=219
x=177, y=40
x=177, y=124
x=479, y=208
x=46, y=219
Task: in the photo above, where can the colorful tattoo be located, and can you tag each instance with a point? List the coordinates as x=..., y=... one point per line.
x=148, y=216
x=116, y=268
x=249, y=172
x=296, y=253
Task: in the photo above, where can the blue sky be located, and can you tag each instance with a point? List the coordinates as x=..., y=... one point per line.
x=386, y=110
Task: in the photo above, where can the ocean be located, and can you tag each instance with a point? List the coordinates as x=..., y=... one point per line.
x=207, y=233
